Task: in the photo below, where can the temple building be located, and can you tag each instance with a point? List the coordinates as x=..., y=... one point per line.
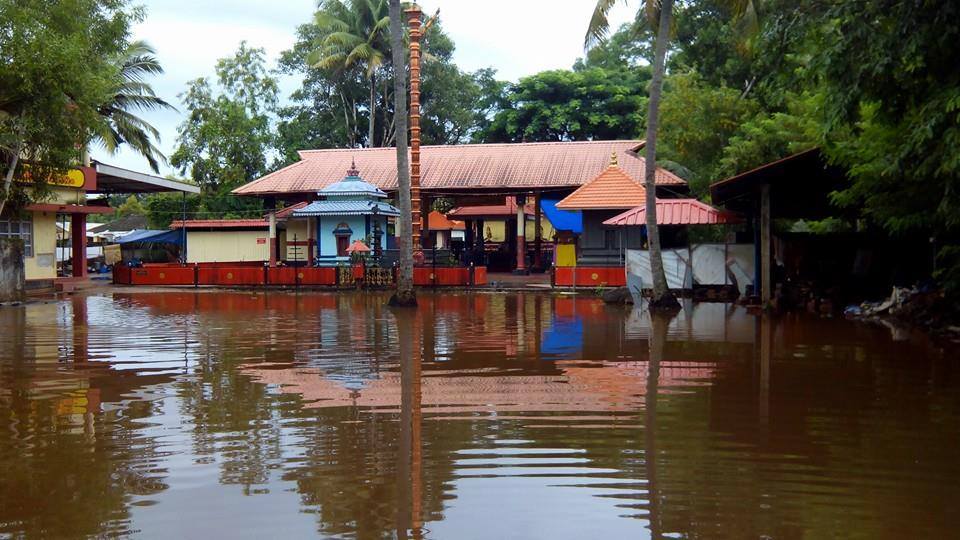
x=350, y=210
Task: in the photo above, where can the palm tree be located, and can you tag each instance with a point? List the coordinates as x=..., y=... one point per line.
x=661, y=10
x=404, y=295
x=354, y=35
x=132, y=95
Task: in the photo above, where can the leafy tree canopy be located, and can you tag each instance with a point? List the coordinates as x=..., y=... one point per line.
x=56, y=70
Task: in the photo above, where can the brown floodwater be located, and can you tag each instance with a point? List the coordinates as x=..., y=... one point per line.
x=234, y=414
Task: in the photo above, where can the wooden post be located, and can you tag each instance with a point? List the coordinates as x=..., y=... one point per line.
x=765, y=259
x=78, y=233
x=537, y=240
x=413, y=20
x=521, y=236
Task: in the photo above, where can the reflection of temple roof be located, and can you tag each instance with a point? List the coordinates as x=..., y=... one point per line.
x=581, y=387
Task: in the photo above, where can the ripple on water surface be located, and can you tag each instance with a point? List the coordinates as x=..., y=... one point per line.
x=201, y=413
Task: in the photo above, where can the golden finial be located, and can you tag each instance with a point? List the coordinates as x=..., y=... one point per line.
x=613, y=158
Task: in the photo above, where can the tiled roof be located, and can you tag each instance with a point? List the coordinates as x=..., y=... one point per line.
x=461, y=167
x=675, y=212
x=612, y=189
x=345, y=208
x=439, y=222
x=508, y=209
x=220, y=224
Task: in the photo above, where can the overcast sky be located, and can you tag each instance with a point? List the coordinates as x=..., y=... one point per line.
x=516, y=37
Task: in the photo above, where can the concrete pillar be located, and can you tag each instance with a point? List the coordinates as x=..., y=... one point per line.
x=766, y=287
x=273, y=238
x=521, y=236
x=78, y=239
x=12, y=282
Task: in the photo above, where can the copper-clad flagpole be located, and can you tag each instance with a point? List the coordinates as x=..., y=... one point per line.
x=413, y=19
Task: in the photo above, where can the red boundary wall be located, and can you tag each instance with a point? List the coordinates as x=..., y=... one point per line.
x=590, y=276
x=247, y=275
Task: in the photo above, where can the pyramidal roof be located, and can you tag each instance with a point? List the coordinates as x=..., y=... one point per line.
x=612, y=189
x=353, y=185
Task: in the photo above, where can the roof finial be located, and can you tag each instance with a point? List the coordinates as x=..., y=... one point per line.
x=352, y=171
x=613, y=158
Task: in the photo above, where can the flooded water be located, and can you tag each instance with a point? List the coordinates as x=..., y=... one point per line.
x=232, y=414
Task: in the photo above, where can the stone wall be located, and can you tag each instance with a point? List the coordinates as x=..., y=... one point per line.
x=12, y=280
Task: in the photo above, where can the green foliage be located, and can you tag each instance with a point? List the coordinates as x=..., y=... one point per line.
x=224, y=141
x=771, y=136
x=130, y=95
x=55, y=72
x=697, y=122
x=131, y=207
x=892, y=113
x=162, y=208
x=337, y=98
x=565, y=105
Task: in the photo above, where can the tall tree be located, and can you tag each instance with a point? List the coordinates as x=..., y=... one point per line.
x=599, y=25
x=354, y=34
x=404, y=295
x=131, y=95
x=225, y=139
x=563, y=105
x=56, y=70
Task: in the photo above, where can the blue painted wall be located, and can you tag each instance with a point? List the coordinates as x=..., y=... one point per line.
x=327, y=242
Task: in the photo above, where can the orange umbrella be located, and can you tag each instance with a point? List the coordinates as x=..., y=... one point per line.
x=357, y=247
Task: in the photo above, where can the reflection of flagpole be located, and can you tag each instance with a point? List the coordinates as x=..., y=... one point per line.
x=659, y=323
x=409, y=455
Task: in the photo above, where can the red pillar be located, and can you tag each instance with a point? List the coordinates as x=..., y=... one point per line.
x=78, y=232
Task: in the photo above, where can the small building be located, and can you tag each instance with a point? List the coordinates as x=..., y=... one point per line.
x=224, y=240
x=352, y=209
x=69, y=202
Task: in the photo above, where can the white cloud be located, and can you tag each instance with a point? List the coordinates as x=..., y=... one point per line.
x=516, y=37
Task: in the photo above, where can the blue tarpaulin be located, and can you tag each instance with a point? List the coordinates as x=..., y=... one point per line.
x=562, y=220
x=158, y=237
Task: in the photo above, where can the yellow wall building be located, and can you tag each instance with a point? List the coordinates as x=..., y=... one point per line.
x=227, y=246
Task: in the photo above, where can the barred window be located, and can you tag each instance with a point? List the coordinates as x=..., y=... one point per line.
x=18, y=228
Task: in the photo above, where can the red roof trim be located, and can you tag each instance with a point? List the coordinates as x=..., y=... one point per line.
x=220, y=224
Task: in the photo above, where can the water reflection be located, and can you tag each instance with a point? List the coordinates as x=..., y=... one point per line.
x=196, y=413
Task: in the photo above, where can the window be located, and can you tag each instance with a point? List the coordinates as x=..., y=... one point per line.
x=18, y=228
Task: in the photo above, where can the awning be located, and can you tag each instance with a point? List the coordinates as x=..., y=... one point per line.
x=675, y=212
x=562, y=220
x=153, y=237
x=112, y=179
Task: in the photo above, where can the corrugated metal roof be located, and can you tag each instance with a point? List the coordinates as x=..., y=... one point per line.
x=612, y=189
x=675, y=212
x=462, y=167
x=220, y=224
x=346, y=208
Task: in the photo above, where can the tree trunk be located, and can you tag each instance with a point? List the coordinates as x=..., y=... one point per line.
x=404, y=295
x=373, y=109
x=662, y=297
x=8, y=177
